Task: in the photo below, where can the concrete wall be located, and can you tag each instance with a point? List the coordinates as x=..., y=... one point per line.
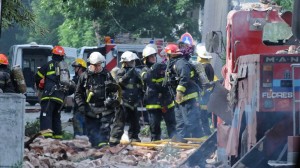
x=12, y=129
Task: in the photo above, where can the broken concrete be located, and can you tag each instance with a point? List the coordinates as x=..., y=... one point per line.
x=77, y=153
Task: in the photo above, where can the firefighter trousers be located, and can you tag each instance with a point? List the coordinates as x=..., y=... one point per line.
x=204, y=123
x=117, y=126
x=155, y=118
x=98, y=129
x=79, y=125
x=133, y=118
x=50, y=118
x=187, y=116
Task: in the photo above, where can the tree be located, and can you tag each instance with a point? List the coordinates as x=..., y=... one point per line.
x=14, y=11
x=93, y=19
x=286, y=4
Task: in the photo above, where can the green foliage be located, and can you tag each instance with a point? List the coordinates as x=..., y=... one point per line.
x=286, y=4
x=67, y=135
x=74, y=23
x=32, y=128
x=76, y=33
x=46, y=29
x=145, y=131
x=19, y=164
x=14, y=11
x=164, y=131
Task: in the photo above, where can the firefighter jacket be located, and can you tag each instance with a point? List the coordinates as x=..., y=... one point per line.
x=185, y=78
x=205, y=94
x=52, y=88
x=156, y=96
x=6, y=84
x=91, y=91
x=132, y=86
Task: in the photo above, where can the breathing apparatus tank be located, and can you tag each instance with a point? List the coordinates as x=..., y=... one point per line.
x=201, y=72
x=18, y=79
x=62, y=72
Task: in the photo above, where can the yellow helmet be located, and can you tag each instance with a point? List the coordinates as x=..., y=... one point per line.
x=79, y=63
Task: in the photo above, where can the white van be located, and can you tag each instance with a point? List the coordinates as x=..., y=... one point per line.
x=29, y=57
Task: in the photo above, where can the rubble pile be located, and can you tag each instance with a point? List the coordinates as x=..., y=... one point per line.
x=78, y=153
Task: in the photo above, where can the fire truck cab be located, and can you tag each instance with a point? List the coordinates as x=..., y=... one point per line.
x=260, y=52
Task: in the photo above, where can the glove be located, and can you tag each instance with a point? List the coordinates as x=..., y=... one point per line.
x=164, y=109
x=179, y=97
x=82, y=109
x=41, y=84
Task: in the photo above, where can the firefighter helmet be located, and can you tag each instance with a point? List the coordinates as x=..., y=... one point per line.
x=201, y=52
x=79, y=63
x=96, y=57
x=3, y=59
x=172, y=49
x=152, y=46
x=58, y=50
x=147, y=51
x=128, y=56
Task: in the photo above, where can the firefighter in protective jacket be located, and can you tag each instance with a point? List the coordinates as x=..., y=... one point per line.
x=183, y=81
x=78, y=118
x=132, y=92
x=204, y=58
x=94, y=97
x=56, y=78
x=6, y=84
x=157, y=99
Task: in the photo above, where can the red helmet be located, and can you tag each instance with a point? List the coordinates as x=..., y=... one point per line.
x=58, y=50
x=3, y=59
x=172, y=49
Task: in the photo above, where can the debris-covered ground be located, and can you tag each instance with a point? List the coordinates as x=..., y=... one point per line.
x=78, y=153
x=41, y=152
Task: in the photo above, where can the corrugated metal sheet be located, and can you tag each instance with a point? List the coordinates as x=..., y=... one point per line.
x=214, y=19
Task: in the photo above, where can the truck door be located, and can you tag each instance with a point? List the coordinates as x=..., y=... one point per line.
x=32, y=59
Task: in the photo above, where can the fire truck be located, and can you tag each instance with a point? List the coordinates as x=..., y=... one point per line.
x=258, y=102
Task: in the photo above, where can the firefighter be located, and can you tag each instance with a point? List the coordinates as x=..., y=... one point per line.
x=204, y=58
x=53, y=78
x=157, y=99
x=91, y=96
x=79, y=127
x=132, y=93
x=6, y=84
x=182, y=84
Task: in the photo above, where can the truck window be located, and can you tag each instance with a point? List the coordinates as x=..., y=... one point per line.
x=276, y=33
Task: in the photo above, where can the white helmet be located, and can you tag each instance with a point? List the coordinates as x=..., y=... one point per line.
x=201, y=52
x=147, y=51
x=152, y=46
x=128, y=56
x=96, y=58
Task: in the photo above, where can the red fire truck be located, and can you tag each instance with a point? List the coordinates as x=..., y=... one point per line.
x=260, y=120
